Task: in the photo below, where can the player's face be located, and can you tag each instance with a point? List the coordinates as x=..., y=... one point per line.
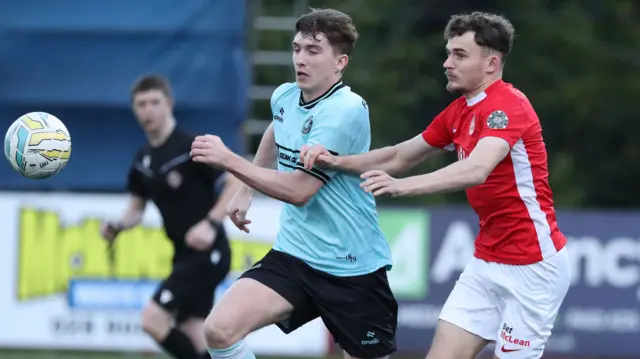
x=467, y=64
x=152, y=109
x=316, y=63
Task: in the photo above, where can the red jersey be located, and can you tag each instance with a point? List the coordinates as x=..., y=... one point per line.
x=515, y=205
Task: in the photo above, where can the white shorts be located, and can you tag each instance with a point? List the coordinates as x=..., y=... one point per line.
x=515, y=306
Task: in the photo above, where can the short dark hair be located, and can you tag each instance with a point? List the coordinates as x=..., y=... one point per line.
x=335, y=25
x=491, y=31
x=151, y=82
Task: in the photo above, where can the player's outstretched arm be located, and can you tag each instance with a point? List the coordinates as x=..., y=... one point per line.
x=472, y=171
x=295, y=188
x=392, y=159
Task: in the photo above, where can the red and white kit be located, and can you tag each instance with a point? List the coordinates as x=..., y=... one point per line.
x=512, y=289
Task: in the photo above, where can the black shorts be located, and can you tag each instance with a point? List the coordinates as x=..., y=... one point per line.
x=360, y=312
x=189, y=291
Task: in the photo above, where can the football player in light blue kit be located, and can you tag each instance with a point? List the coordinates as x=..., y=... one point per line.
x=336, y=230
x=330, y=257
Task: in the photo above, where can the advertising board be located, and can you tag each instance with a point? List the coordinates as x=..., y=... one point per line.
x=62, y=286
x=600, y=315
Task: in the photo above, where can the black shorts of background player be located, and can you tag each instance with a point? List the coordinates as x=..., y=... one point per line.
x=192, y=214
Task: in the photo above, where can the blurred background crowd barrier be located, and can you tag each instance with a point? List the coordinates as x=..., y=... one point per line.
x=62, y=289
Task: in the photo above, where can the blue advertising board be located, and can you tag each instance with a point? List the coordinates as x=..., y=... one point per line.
x=600, y=315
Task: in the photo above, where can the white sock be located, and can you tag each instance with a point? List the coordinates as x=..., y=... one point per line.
x=239, y=350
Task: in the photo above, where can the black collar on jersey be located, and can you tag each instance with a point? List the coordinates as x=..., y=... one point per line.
x=333, y=89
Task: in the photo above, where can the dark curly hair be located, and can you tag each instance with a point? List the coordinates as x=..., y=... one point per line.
x=335, y=25
x=491, y=31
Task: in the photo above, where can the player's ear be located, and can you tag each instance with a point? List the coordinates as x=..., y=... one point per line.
x=341, y=63
x=494, y=63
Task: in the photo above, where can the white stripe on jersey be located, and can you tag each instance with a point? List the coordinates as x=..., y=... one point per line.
x=527, y=191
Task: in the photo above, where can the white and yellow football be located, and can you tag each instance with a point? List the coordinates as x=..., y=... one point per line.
x=37, y=145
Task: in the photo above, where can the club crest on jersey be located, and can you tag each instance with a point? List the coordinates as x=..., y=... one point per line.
x=473, y=125
x=306, y=127
x=174, y=179
x=497, y=120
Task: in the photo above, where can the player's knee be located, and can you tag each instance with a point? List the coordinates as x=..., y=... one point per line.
x=220, y=332
x=453, y=342
x=155, y=321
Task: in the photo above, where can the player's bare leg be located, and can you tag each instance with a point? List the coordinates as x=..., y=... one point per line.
x=247, y=306
x=194, y=329
x=453, y=342
x=347, y=356
x=156, y=321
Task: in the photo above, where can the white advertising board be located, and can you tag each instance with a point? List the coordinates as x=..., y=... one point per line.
x=62, y=287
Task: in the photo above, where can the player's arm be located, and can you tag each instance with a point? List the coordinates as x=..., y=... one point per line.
x=331, y=128
x=295, y=188
x=470, y=172
x=229, y=189
x=265, y=156
x=499, y=133
x=134, y=211
x=392, y=159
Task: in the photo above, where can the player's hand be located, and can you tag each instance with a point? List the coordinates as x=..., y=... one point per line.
x=238, y=207
x=380, y=183
x=200, y=236
x=110, y=230
x=211, y=150
x=316, y=155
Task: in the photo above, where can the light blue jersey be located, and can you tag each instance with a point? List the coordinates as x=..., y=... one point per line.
x=337, y=231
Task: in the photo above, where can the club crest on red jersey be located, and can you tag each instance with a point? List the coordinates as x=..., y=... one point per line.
x=497, y=120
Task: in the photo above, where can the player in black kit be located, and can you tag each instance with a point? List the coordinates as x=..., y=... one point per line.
x=192, y=213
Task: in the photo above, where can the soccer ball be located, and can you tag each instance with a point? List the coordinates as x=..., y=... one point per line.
x=37, y=145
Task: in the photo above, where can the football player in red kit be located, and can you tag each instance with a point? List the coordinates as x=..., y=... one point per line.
x=510, y=292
